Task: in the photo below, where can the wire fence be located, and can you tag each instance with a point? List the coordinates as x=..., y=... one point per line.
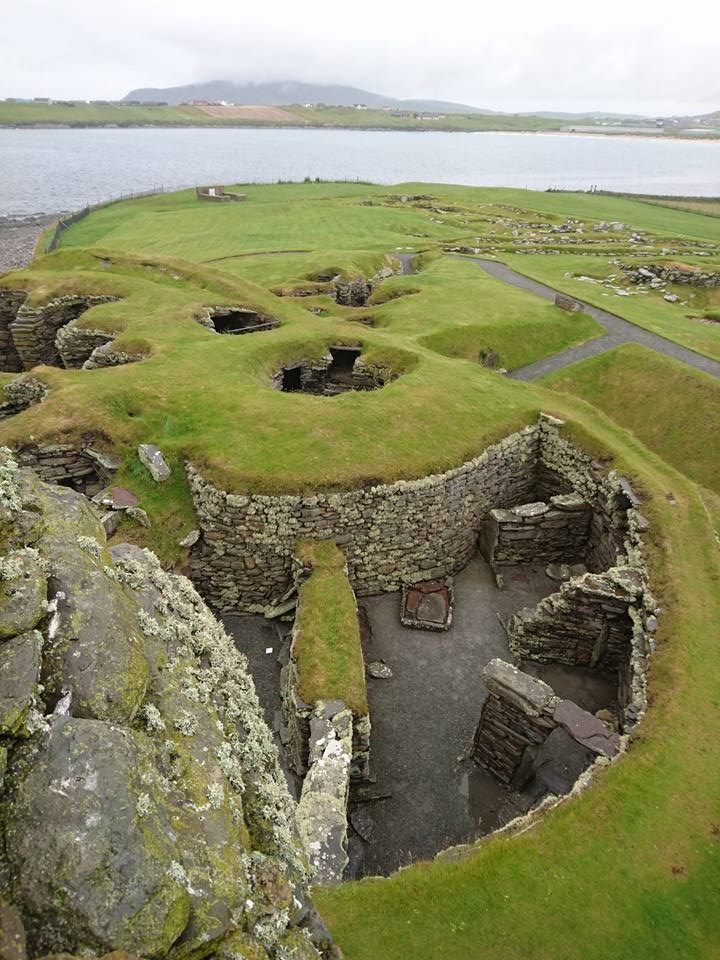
x=65, y=222
x=62, y=225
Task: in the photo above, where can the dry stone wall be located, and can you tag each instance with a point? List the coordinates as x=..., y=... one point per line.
x=35, y=329
x=10, y=303
x=392, y=534
x=82, y=468
x=537, y=532
x=520, y=714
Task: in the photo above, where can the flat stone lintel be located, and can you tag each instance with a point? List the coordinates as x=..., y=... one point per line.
x=527, y=693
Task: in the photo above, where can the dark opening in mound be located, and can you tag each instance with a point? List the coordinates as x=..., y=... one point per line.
x=292, y=379
x=238, y=320
x=340, y=370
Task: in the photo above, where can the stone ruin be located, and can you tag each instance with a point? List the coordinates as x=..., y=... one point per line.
x=21, y=393
x=340, y=370
x=658, y=274
x=218, y=194
x=352, y=293
x=530, y=738
x=117, y=682
x=236, y=320
x=47, y=334
x=82, y=468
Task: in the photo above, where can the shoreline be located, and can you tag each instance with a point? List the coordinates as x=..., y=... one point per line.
x=605, y=134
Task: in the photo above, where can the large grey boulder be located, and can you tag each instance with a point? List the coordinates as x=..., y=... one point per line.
x=23, y=594
x=151, y=456
x=95, y=650
x=19, y=676
x=104, y=876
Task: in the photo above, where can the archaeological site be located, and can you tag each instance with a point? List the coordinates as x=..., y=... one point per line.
x=350, y=601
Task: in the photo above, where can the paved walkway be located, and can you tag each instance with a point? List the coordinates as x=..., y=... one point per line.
x=619, y=331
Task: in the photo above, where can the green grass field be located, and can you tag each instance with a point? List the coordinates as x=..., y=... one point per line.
x=629, y=870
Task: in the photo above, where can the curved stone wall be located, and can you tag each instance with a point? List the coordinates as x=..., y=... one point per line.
x=397, y=533
x=392, y=533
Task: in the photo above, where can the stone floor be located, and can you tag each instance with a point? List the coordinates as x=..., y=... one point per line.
x=424, y=716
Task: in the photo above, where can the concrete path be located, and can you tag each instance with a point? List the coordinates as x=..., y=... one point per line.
x=406, y=261
x=618, y=330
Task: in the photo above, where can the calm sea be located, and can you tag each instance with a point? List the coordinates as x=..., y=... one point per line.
x=45, y=171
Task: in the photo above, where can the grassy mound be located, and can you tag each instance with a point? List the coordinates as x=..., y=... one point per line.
x=327, y=640
x=673, y=409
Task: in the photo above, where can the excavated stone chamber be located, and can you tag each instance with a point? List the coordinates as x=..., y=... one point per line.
x=237, y=320
x=342, y=369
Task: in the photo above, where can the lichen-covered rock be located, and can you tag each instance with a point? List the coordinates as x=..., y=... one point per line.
x=203, y=706
x=296, y=946
x=104, y=875
x=146, y=812
x=95, y=649
x=20, y=663
x=12, y=933
x=23, y=593
x=151, y=457
x=240, y=946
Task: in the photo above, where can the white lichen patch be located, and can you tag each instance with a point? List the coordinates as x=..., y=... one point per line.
x=153, y=720
x=143, y=805
x=9, y=491
x=89, y=545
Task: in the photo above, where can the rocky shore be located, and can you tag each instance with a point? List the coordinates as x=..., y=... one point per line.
x=18, y=236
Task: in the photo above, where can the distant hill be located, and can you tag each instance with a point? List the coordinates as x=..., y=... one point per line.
x=283, y=94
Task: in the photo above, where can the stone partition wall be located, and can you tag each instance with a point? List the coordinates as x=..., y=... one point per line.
x=10, y=303
x=537, y=532
x=563, y=468
x=76, y=344
x=520, y=714
x=586, y=623
x=392, y=534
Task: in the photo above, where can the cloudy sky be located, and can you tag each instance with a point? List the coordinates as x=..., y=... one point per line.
x=621, y=55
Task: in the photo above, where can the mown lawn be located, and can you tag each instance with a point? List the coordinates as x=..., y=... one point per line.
x=673, y=409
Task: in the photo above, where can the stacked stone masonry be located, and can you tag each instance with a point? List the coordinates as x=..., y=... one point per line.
x=10, y=303
x=394, y=534
x=537, y=532
x=37, y=338
x=520, y=714
x=671, y=273
x=81, y=468
x=398, y=533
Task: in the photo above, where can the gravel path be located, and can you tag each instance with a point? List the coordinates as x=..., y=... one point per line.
x=618, y=331
x=18, y=236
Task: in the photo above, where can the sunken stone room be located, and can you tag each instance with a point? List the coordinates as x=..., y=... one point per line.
x=503, y=616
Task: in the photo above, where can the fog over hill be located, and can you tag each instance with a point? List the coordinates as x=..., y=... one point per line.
x=283, y=94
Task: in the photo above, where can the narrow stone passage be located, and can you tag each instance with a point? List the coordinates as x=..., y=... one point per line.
x=619, y=331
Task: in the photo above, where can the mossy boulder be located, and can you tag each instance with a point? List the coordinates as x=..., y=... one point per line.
x=95, y=649
x=296, y=946
x=92, y=850
x=240, y=946
x=23, y=594
x=12, y=933
x=20, y=661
